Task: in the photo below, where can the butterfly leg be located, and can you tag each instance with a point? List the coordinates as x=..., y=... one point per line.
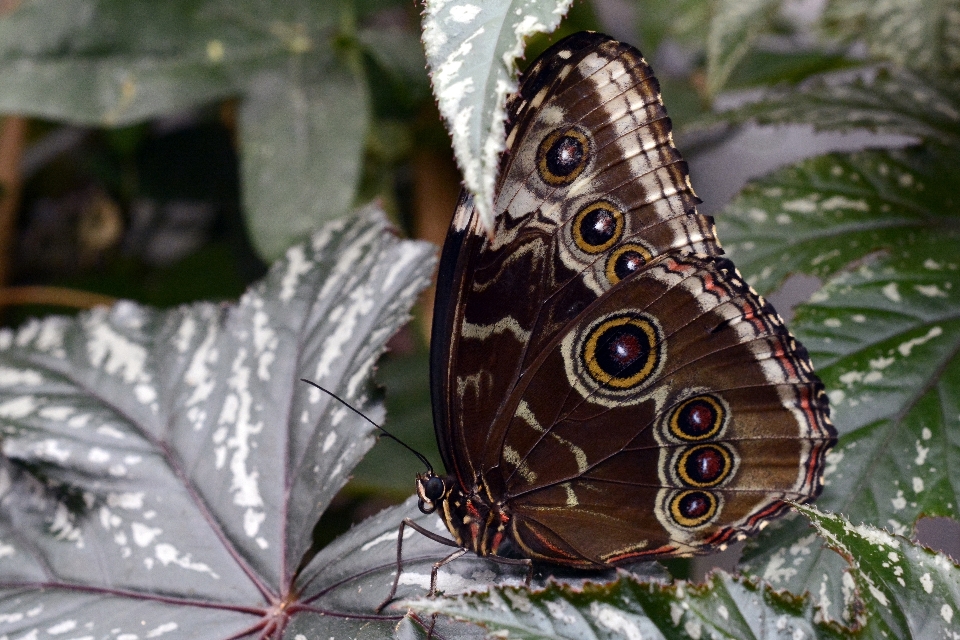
x=436, y=568
x=407, y=522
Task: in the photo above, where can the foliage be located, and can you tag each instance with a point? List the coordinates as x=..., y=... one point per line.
x=879, y=604
x=164, y=471
x=296, y=66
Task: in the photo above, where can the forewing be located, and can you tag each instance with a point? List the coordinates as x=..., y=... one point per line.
x=571, y=220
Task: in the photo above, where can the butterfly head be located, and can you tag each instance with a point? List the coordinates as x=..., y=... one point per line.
x=431, y=489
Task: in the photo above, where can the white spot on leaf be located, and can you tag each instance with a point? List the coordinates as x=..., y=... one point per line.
x=890, y=291
x=908, y=346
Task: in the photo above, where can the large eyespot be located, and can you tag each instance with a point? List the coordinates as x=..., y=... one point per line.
x=624, y=351
x=626, y=259
x=693, y=508
x=562, y=156
x=597, y=227
x=705, y=465
x=698, y=418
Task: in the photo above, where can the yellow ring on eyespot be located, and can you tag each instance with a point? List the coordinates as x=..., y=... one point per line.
x=582, y=242
x=611, y=272
x=546, y=145
x=720, y=414
x=683, y=520
x=654, y=352
x=681, y=467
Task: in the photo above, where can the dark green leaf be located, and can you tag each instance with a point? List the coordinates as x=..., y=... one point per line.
x=884, y=101
x=117, y=62
x=304, y=116
x=919, y=34
x=683, y=21
x=898, y=589
x=163, y=470
x=884, y=333
x=303, y=131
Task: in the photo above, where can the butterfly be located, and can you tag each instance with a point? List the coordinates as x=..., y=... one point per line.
x=606, y=386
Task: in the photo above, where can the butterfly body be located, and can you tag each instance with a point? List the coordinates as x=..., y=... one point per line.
x=606, y=386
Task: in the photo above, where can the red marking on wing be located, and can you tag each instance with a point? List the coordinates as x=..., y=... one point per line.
x=659, y=551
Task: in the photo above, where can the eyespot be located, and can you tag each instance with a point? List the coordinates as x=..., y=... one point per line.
x=562, y=155
x=693, y=508
x=624, y=351
x=626, y=259
x=705, y=465
x=597, y=227
x=698, y=418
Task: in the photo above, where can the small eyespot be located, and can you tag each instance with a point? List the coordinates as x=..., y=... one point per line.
x=698, y=418
x=597, y=227
x=693, y=508
x=562, y=156
x=625, y=260
x=705, y=465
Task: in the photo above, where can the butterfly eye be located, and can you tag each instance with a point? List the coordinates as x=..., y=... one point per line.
x=562, y=156
x=693, y=508
x=624, y=351
x=597, y=227
x=433, y=489
x=625, y=260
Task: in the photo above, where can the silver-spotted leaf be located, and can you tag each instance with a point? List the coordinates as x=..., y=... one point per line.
x=892, y=101
x=894, y=588
x=921, y=34
x=472, y=49
x=722, y=607
x=163, y=470
x=883, y=229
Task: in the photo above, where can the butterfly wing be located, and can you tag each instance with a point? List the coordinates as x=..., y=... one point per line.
x=588, y=109
x=674, y=413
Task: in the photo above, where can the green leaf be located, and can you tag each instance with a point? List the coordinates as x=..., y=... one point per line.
x=684, y=21
x=918, y=34
x=163, y=471
x=891, y=589
x=118, y=62
x=884, y=101
x=304, y=115
x=472, y=51
x=882, y=228
x=733, y=29
x=397, y=51
x=901, y=590
x=302, y=131
x=723, y=607
x=822, y=214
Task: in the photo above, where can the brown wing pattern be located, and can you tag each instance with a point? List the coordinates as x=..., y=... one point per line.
x=610, y=381
x=686, y=432
x=502, y=300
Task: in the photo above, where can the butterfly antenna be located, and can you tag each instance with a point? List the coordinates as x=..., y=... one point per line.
x=383, y=431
